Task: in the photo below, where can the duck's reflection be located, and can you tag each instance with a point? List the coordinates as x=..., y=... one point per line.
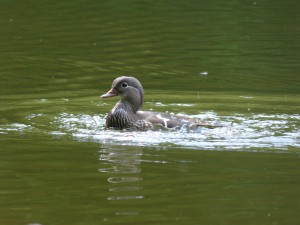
x=124, y=175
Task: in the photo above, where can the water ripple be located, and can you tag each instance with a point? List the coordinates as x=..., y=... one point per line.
x=241, y=132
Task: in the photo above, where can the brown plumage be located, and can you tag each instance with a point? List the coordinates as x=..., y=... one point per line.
x=126, y=113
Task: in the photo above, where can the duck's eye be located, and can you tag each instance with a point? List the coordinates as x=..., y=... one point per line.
x=124, y=85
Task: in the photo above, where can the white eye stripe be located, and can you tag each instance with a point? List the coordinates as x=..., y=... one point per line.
x=124, y=84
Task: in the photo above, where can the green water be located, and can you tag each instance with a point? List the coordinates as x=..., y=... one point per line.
x=235, y=62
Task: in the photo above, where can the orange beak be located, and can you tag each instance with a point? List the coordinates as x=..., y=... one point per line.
x=111, y=93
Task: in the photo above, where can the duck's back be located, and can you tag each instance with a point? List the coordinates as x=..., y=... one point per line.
x=170, y=120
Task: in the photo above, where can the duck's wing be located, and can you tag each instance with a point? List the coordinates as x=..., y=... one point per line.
x=198, y=122
x=170, y=120
x=156, y=118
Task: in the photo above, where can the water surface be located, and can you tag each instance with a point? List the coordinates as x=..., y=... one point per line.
x=234, y=62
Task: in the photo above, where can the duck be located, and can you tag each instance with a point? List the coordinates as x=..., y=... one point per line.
x=127, y=113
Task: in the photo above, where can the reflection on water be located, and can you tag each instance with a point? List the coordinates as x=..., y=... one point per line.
x=123, y=169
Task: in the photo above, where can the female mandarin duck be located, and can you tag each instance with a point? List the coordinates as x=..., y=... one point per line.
x=126, y=113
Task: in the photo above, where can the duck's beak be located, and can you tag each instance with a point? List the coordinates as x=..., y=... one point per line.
x=111, y=93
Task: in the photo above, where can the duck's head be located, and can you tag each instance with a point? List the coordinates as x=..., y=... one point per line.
x=129, y=89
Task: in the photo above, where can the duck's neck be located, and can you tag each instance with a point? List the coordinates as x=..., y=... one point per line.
x=129, y=106
x=132, y=102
